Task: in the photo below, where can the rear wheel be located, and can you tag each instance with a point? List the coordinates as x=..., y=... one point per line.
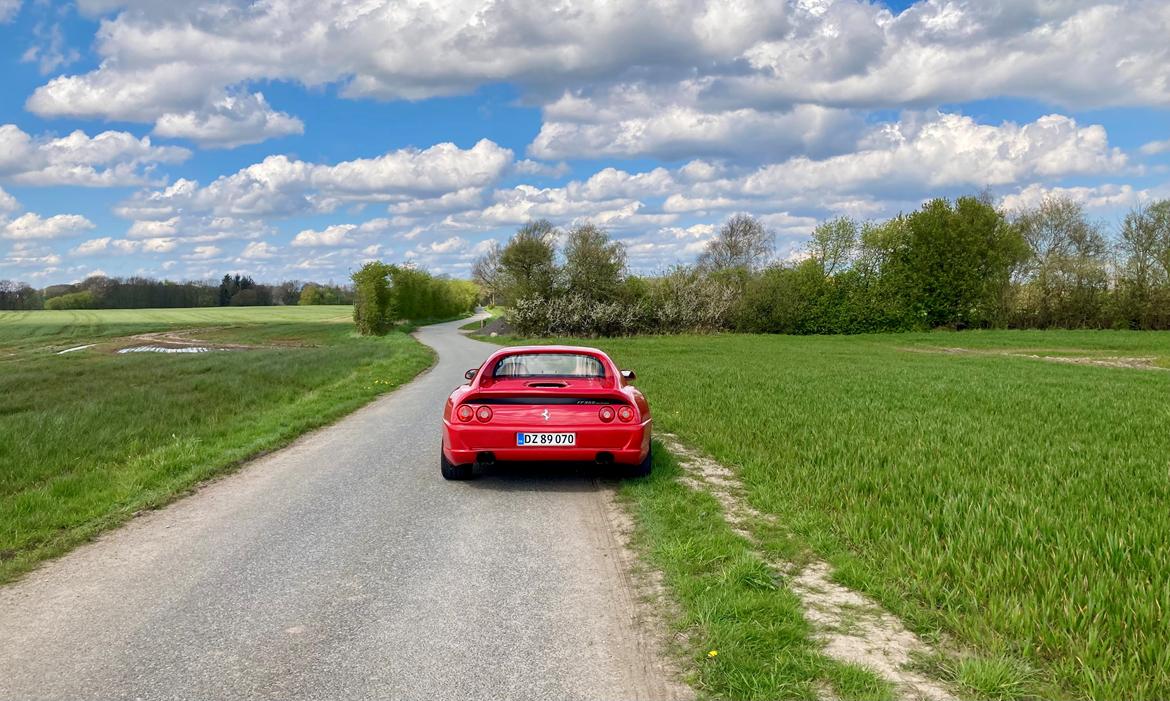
x=451, y=471
x=642, y=469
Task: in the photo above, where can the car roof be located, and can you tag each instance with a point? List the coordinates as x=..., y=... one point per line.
x=549, y=349
x=532, y=350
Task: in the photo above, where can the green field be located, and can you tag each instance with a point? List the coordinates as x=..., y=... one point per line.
x=90, y=437
x=1008, y=507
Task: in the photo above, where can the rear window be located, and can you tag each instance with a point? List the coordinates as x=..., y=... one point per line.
x=548, y=365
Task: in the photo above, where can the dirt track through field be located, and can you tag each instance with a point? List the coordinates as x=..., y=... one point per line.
x=1105, y=361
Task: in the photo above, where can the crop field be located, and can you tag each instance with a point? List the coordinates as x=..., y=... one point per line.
x=91, y=436
x=1007, y=494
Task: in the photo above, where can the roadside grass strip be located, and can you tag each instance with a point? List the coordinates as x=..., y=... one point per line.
x=852, y=628
x=742, y=632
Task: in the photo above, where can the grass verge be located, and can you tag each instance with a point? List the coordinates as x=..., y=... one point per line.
x=91, y=437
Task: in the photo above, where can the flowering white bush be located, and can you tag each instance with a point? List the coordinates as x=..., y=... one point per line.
x=679, y=302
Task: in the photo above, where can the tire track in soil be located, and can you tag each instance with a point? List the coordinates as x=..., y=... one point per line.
x=852, y=627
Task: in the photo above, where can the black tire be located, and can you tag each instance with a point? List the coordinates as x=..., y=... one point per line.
x=642, y=469
x=451, y=471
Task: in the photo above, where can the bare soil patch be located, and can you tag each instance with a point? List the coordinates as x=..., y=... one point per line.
x=1102, y=361
x=176, y=341
x=495, y=327
x=1110, y=361
x=181, y=341
x=170, y=349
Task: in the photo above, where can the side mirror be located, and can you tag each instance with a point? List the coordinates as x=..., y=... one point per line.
x=470, y=374
x=629, y=375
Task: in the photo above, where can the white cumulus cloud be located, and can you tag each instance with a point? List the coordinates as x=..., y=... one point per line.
x=1156, y=147
x=31, y=226
x=1106, y=195
x=336, y=235
x=259, y=250
x=92, y=246
x=203, y=253
x=112, y=245
x=280, y=186
x=672, y=126
x=948, y=150
x=111, y=158
x=233, y=121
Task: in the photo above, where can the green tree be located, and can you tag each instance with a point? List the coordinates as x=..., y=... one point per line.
x=373, y=309
x=884, y=280
x=310, y=294
x=951, y=263
x=411, y=292
x=527, y=262
x=73, y=300
x=1144, y=285
x=833, y=244
x=782, y=299
x=595, y=264
x=1065, y=276
x=226, y=290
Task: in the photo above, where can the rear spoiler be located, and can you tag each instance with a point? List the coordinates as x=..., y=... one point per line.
x=548, y=399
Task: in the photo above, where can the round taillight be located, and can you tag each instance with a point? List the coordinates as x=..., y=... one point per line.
x=626, y=414
x=605, y=414
x=465, y=413
x=483, y=413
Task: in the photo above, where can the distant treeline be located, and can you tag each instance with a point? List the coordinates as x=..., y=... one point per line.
x=100, y=292
x=385, y=294
x=951, y=264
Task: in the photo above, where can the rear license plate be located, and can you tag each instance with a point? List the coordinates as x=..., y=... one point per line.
x=538, y=440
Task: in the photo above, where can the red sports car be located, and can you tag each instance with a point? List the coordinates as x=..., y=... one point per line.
x=546, y=404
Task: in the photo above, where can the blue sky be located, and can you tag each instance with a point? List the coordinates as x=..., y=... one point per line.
x=295, y=139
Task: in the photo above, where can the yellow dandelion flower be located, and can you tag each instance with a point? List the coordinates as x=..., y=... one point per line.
x=713, y=653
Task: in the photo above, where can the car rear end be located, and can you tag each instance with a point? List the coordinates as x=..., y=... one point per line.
x=573, y=420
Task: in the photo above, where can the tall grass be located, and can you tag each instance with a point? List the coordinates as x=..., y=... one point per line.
x=88, y=438
x=1020, y=506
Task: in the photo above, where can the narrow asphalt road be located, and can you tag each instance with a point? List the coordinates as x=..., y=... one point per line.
x=344, y=567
